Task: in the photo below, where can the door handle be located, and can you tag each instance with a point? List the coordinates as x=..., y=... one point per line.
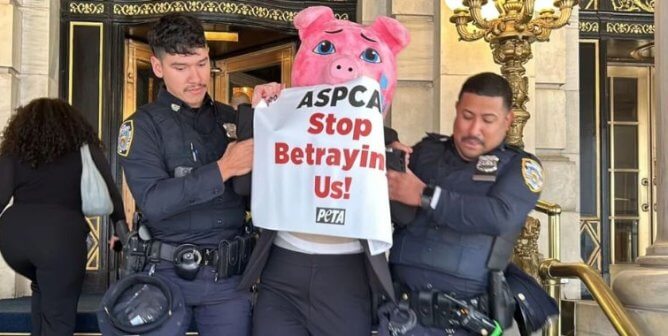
x=644, y=207
x=644, y=181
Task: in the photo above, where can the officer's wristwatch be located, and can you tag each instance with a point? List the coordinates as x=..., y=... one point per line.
x=427, y=196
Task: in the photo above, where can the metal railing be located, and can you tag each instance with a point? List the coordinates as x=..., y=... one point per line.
x=606, y=299
x=553, y=212
x=552, y=270
x=552, y=285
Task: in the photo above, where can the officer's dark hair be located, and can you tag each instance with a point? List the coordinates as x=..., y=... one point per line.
x=176, y=33
x=44, y=130
x=489, y=84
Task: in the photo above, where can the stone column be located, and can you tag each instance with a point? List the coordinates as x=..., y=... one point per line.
x=644, y=287
x=415, y=105
x=29, y=47
x=657, y=254
x=10, y=45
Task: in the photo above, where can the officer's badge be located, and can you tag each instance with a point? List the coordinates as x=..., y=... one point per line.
x=176, y=107
x=532, y=172
x=486, y=168
x=487, y=163
x=125, y=135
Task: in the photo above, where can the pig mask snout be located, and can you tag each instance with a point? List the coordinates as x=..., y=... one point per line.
x=343, y=69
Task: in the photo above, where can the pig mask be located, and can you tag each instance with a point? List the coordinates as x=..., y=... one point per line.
x=336, y=51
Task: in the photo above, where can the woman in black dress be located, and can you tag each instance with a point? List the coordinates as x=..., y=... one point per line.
x=43, y=234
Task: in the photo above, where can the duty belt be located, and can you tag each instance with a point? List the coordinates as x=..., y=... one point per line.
x=437, y=309
x=205, y=256
x=228, y=259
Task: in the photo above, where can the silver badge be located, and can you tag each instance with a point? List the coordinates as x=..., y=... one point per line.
x=487, y=163
x=176, y=107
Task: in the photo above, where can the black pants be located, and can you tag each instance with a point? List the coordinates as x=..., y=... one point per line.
x=50, y=251
x=303, y=294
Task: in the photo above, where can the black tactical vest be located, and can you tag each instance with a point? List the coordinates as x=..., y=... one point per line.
x=422, y=244
x=191, y=139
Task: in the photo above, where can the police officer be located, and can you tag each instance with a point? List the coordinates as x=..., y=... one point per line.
x=178, y=163
x=474, y=193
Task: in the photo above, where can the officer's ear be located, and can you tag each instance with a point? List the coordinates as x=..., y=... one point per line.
x=156, y=64
x=508, y=119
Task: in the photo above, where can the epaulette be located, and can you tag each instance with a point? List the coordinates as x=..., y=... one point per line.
x=521, y=151
x=437, y=137
x=514, y=148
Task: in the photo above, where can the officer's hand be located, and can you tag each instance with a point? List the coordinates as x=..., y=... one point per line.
x=406, y=149
x=267, y=92
x=405, y=187
x=237, y=159
x=115, y=244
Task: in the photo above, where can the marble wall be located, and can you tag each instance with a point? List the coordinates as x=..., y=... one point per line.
x=28, y=69
x=556, y=120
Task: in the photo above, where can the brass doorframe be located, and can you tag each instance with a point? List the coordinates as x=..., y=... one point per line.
x=654, y=166
x=282, y=55
x=645, y=155
x=135, y=52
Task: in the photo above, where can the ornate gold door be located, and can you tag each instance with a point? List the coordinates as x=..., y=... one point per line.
x=140, y=87
x=240, y=74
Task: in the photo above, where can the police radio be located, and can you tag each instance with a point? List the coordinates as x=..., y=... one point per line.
x=244, y=123
x=400, y=213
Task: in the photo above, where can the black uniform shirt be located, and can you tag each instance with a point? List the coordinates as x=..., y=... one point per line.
x=479, y=204
x=168, y=152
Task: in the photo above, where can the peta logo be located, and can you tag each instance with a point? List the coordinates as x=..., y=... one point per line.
x=330, y=216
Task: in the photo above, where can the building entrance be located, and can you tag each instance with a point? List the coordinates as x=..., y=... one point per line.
x=631, y=170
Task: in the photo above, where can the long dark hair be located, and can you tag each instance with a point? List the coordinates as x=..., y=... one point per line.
x=44, y=130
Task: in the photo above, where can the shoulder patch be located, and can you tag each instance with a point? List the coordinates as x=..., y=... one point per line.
x=125, y=135
x=532, y=172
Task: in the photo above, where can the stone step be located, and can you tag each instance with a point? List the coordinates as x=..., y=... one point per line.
x=15, y=316
x=591, y=321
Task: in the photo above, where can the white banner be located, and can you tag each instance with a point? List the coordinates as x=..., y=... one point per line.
x=319, y=163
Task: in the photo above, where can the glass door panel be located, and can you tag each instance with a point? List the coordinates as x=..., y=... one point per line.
x=630, y=162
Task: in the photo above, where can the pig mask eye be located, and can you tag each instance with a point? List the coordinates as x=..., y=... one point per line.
x=370, y=55
x=324, y=48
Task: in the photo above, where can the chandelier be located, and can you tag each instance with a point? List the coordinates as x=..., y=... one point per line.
x=510, y=26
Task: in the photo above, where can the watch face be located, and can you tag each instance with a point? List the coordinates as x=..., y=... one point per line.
x=428, y=191
x=425, y=198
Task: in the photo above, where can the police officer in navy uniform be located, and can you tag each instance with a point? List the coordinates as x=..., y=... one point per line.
x=178, y=162
x=473, y=192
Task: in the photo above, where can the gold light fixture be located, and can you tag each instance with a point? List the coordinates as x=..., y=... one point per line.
x=510, y=26
x=216, y=36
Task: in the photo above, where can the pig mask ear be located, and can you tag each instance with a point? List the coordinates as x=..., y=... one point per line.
x=312, y=18
x=392, y=32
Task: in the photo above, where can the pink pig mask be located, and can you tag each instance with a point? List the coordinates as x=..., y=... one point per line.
x=336, y=51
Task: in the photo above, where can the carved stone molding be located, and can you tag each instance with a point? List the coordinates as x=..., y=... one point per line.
x=589, y=27
x=86, y=8
x=633, y=5
x=260, y=10
x=629, y=28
